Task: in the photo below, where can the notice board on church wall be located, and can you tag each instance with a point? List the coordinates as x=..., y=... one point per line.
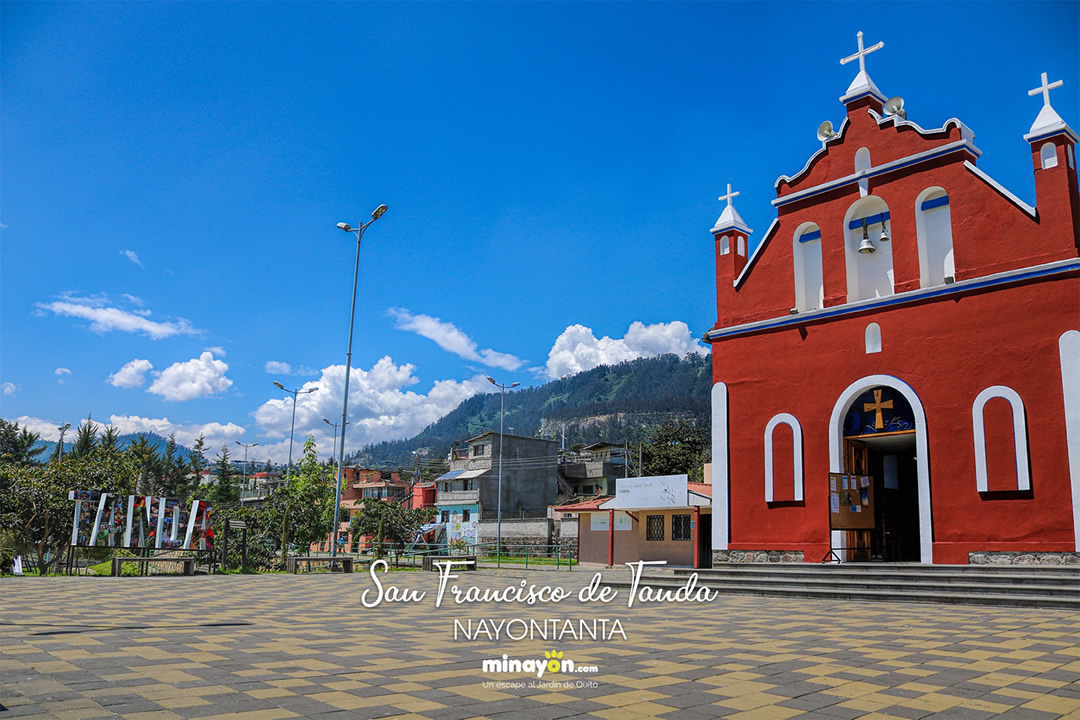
x=851, y=502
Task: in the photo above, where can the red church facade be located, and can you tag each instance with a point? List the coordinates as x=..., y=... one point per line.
x=908, y=320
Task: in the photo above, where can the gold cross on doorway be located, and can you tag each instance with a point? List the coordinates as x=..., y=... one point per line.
x=878, y=406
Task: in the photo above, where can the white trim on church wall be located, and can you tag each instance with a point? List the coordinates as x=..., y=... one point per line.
x=1069, y=352
x=797, y=454
x=809, y=278
x=1019, y=422
x=904, y=162
x=721, y=528
x=922, y=450
x=933, y=229
x=1000, y=188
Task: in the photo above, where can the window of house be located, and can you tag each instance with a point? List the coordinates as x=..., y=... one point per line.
x=466, y=485
x=680, y=527
x=465, y=515
x=654, y=527
x=477, y=450
x=445, y=516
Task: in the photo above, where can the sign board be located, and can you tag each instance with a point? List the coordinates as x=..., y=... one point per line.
x=104, y=519
x=644, y=493
x=851, y=502
x=598, y=521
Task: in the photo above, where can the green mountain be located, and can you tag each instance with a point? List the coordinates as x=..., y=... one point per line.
x=614, y=403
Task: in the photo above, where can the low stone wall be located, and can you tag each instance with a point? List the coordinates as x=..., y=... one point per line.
x=1023, y=558
x=517, y=534
x=743, y=557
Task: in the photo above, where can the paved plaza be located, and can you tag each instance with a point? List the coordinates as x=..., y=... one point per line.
x=280, y=646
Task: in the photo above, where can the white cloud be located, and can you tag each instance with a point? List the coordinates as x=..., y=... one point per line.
x=215, y=433
x=104, y=318
x=8, y=388
x=380, y=408
x=276, y=367
x=60, y=373
x=448, y=337
x=577, y=349
x=133, y=299
x=132, y=375
x=216, y=349
x=192, y=379
x=130, y=255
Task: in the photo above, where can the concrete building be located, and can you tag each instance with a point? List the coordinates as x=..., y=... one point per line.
x=469, y=492
x=592, y=471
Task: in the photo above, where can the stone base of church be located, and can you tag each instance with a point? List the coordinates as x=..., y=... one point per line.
x=742, y=557
x=1024, y=558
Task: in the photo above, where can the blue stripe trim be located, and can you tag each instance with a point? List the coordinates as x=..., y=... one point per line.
x=870, y=220
x=810, y=236
x=904, y=299
x=935, y=203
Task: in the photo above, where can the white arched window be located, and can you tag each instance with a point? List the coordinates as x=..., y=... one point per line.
x=1019, y=428
x=1048, y=155
x=869, y=274
x=740, y=246
x=873, y=338
x=725, y=245
x=809, y=281
x=797, y=455
x=933, y=224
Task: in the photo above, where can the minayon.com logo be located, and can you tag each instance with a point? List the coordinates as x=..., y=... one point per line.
x=553, y=661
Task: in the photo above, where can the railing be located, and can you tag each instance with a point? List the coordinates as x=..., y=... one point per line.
x=514, y=555
x=522, y=555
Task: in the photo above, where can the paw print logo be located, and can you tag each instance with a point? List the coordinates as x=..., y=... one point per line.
x=554, y=660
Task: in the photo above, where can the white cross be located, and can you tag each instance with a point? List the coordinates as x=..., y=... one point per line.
x=1045, y=89
x=861, y=55
x=728, y=196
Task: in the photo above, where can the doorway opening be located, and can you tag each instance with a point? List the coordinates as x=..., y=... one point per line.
x=880, y=442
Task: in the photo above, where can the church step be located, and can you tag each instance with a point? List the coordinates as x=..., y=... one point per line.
x=931, y=575
x=1059, y=599
x=967, y=587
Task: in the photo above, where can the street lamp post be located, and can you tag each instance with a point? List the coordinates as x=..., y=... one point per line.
x=63, y=429
x=335, y=426
x=502, y=405
x=375, y=215
x=245, y=446
x=292, y=427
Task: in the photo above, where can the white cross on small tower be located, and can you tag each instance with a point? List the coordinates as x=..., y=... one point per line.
x=728, y=196
x=861, y=55
x=1045, y=89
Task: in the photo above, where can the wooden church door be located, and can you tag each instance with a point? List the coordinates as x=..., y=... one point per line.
x=857, y=462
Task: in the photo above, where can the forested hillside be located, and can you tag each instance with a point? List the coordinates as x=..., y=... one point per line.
x=618, y=403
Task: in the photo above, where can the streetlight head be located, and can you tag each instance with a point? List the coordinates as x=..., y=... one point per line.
x=239, y=443
x=344, y=226
x=492, y=381
x=311, y=390
x=279, y=385
x=514, y=385
x=378, y=213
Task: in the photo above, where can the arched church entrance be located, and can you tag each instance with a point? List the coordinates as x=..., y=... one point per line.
x=878, y=443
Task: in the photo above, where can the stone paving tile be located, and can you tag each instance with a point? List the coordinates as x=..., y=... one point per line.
x=276, y=646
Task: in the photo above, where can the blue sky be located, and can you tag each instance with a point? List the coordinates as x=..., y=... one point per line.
x=172, y=174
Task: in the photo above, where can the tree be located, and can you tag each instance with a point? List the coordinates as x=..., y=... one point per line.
x=226, y=491
x=303, y=507
x=110, y=439
x=147, y=462
x=389, y=521
x=37, y=514
x=196, y=463
x=17, y=446
x=676, y=447
x=85, y=440
x=173, y=471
